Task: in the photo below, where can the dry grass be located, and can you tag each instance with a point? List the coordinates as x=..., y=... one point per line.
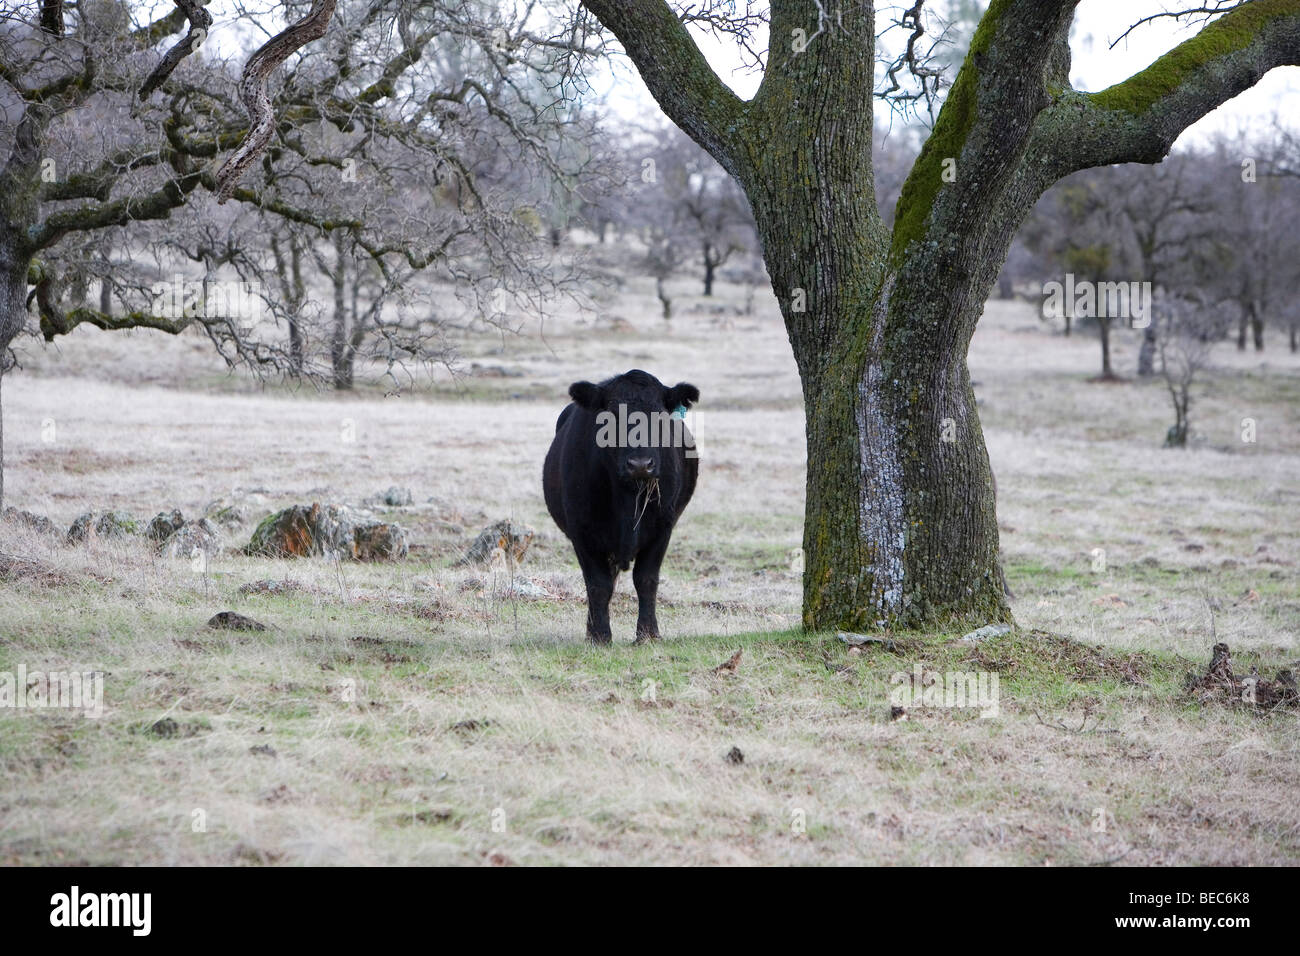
x=417, y=714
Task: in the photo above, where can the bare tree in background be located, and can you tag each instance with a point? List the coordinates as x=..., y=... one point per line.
x=392, y=131
x=1187, y=330
x=1256, y=215
x=712, y=207
x=1164, y=208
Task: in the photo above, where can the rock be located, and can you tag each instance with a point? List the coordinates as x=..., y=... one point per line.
x=164, y=728
x=33, y=522
x=528, y=589
x=735, y=757
x=512, y=540
x=303, y=531
x=396, y=497
x=226, y=515
x=232, y=510
x=380, y=542
x=164, y=525
x=108, y=524
x=174, y=536
x=201, y=535
x=987, y=631
x=230, y=621
x=857, y=641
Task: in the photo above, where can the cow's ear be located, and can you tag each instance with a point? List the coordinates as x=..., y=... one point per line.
x=587, y=395
x=681, y=395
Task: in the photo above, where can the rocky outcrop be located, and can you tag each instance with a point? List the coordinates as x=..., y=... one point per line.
x=504, y=541
x=380, y=542
x=29, y=520
x=107, y=524
x=318, y=530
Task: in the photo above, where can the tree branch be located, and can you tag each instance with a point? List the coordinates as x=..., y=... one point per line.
x=678, y=76
x=155, y=205
x=1139, y=119
x=200, y=20
x=252, y=90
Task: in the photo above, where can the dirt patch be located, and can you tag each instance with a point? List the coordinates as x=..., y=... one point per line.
x=1219, y=685
x=16, y=568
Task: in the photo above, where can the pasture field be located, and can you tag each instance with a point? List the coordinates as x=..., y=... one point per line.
x=419, y=712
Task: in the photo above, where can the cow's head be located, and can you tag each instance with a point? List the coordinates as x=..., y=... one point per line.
x=634, y=427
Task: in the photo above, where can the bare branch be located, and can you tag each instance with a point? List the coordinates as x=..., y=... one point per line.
x=678, y=76
x=1222, y=6
x=200, y=20
x=253, y=91
x=1139, y=119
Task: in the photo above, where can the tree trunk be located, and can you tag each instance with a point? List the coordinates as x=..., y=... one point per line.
x=295, y=314
x=291, y=284
x=1103, y=327
x=900, y=525
x=1176, y=437
x=710, y=266
x=13, y=315
x=1257, y=327
x=340, y=350
x=1147, y=354
x=666, y=302
x=2, y=439
x=1294, y=327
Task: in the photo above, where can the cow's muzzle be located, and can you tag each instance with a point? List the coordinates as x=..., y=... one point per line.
x=641, y=469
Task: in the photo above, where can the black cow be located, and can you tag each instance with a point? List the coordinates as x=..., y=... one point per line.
x=617, y=489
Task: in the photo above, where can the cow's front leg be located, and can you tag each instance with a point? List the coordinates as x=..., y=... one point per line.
x=646, y=578
x=599, y=575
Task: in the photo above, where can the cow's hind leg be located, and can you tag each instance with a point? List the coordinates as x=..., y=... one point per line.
x=646, y=578
x=599, y=575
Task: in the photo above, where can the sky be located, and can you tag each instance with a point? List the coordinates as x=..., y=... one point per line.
x=1095, y=66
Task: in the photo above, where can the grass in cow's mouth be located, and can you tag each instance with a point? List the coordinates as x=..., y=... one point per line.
x=647, y=493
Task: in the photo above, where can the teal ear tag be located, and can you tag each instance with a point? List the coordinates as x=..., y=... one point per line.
x=680, y=412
